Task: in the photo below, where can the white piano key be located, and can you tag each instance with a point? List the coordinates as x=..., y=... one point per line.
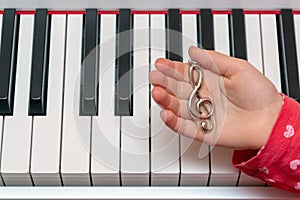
x=106, y=127
x=75, y=152
x=270, y=49
x=1, y=117
x=154, y=193
x=1, y=129
x=189, y=34
x=194, y=171
x=253, y=39
x=15, y=161
x=221, y=32
x=46, y=136
x=222, y=171
x=254, y=53
x=246, y=180
x=297, y=35
x=157, y=37
x=164, y=142
x=135, y=129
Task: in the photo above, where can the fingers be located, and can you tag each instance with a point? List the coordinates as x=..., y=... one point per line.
x=174, y=77
x=173, y=69
x=170, y=102
x=179, y=89
x=216, y=62
x=182, y=126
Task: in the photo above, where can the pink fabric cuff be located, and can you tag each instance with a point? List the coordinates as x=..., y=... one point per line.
x=276, y=163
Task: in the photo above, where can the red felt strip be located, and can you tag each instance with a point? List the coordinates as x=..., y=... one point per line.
x=25, y=12
x=296, y=12
x=136, y=12
x=191, y=12
x=221, y=12
x=108, y=12
x=149, y=12
x=67, y=12
x=264, y=12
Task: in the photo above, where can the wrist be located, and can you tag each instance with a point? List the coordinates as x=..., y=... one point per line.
x=269, y=118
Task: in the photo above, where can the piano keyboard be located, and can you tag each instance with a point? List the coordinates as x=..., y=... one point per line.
x=76, y=107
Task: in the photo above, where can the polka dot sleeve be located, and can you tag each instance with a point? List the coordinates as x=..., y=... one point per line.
x=278, y=162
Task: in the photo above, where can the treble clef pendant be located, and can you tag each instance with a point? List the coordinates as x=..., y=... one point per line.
x=199, y=107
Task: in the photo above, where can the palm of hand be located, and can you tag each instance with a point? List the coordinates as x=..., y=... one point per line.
x=251, y=101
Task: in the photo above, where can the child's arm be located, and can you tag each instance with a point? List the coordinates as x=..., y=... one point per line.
x=248, y=108
x=246, y=103
x=278, y=162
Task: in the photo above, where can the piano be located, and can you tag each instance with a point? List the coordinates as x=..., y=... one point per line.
x=76, y=116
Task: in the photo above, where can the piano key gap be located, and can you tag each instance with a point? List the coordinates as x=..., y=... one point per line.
x=149, y=117
x=90, y=157
x=2, y=133
x=63, y=100
x=30, y=156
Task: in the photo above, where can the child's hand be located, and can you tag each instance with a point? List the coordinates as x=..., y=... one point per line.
x=252, y=103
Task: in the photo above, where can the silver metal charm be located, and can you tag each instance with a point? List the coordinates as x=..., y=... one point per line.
x=199, y=107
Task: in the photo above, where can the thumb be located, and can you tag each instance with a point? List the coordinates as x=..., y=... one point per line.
x=217, y=63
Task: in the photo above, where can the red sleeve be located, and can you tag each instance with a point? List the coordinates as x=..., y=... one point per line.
x=278, y=162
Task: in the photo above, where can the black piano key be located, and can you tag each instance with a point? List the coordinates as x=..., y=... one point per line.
x=8, y=59
x=124, y=73
x=40, y=61
x=237, y=36
x=206, y=30
x=206, y=41
x=287, y=54
x=173, y=35
x=90, y=64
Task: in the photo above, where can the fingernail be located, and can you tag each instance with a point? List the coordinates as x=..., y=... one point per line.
x=163, y=115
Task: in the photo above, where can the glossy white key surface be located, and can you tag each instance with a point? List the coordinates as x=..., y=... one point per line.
x=270, y=49
x=46, y=130
x=221, y=34
x=297, y=35
x=246, y=180
x=1, y=117
x=106, y=127
x=178, y=193
x=1, y=129
x=159, y=193
x=194, y=171
x=135, y=129
x=16, y=150
x=222, y=171
x=189, y=34
x=164, y=143
x=253, y=40
x=254, y=54
x=75, y=155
